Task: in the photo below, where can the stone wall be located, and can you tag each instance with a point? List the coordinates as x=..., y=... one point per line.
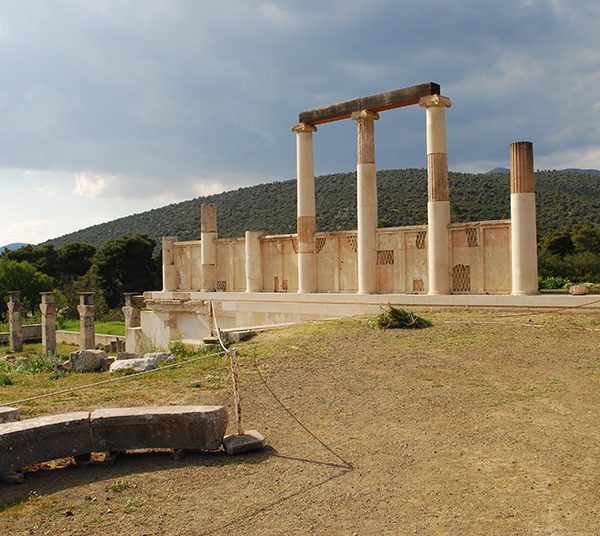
x=479, y=261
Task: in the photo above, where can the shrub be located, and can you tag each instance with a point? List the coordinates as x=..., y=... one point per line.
x=554, y=282
x=393, y=318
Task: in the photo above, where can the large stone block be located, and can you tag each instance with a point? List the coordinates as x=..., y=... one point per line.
x=141, y=364
x=41, y=439
x=87, y=360
x=181, y=427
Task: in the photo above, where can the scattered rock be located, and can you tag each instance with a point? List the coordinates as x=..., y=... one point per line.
x=249, y=440
x=65, y=366
x=141, y=364
x=127, y=355
x=87, y=360
x=8, y=414
x=160, y=356
x=107, y=362
x=579, y=290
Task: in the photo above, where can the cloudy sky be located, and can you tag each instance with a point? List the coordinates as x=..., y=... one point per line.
x=113, y=107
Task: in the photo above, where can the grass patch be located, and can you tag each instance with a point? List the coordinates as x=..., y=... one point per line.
x=104, y=328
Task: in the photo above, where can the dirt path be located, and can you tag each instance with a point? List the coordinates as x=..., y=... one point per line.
x=489, y=426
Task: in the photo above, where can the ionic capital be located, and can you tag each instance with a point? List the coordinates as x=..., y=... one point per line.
x=365, y=115
x=432, y=101
x=304, y=127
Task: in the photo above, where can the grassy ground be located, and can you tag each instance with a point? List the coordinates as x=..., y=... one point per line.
x=106, y=328
x=482, y=424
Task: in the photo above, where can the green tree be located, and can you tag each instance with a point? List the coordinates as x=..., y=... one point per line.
x=126, y=265
x=74, y=260
x=44, y=258
x=24, y=277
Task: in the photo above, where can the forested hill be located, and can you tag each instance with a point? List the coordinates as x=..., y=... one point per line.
x=564, y=199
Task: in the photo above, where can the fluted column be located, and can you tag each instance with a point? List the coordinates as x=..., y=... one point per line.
x=15, y=321
x=48, y=309
x=86, y=309
x=169, y=272
x=307, y=216
x=523, y=220
x=438, y=204
x=366, y=201
x=253, y=261
x=208, y=246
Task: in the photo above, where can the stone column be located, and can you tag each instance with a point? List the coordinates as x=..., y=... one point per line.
x=169, y=272
x=48, y=309
x=208, y=246
x=15, y=321
x=523, y=220
x=86, y=308
x=253, y=262
x=307, y=215
x=132, y=310
x=366, y=202
x=438, y=204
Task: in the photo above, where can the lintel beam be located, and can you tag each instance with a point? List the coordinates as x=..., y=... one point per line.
x=375, y=103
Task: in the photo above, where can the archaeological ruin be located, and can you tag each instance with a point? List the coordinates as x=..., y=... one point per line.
x=263, y=279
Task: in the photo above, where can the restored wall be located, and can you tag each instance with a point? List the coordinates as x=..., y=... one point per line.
x=479, y=261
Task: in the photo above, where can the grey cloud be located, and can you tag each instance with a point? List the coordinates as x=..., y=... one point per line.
x=176, y=91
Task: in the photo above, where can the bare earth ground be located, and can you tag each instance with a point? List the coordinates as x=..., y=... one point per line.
x=482, y=424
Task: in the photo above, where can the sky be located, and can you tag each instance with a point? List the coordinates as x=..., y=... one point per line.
x=113, y=107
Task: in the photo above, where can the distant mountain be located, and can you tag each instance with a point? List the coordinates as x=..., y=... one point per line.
x=573, y=170
x=586, y=171
x=14, y=245
x=564, y=199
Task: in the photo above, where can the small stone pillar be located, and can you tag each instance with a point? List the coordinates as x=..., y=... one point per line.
x=523, y=220
x=169, y=272
x=132, y=310
x=208, y=246
x=366, y=202
x=306, y=211
x=86, y=308
x=15, y=321
x=253, y=262
x=438, y=203
x=48, y=309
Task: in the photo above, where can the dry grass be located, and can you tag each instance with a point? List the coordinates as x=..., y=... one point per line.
x=481, y=424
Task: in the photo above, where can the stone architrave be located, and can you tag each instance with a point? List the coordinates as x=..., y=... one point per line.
x=523, y=220
x=86, y=309
x=307, y=218
x=208, y=246
x=366, y=202
x=438, y=203
x=132, y=310
x=15, y=321
x=48, y=309
x=169, y=272
x=253, y=261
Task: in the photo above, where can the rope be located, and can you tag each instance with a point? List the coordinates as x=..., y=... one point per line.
x=111, y=380
x=346, y=463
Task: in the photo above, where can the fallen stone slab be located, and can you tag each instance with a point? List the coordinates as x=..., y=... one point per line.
x=41, y=439
x=8, y=414
x=141, y=364
x=175, y=427
x=87, y=360
x=107, y=362
x=160, y=356
x=249, y=440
